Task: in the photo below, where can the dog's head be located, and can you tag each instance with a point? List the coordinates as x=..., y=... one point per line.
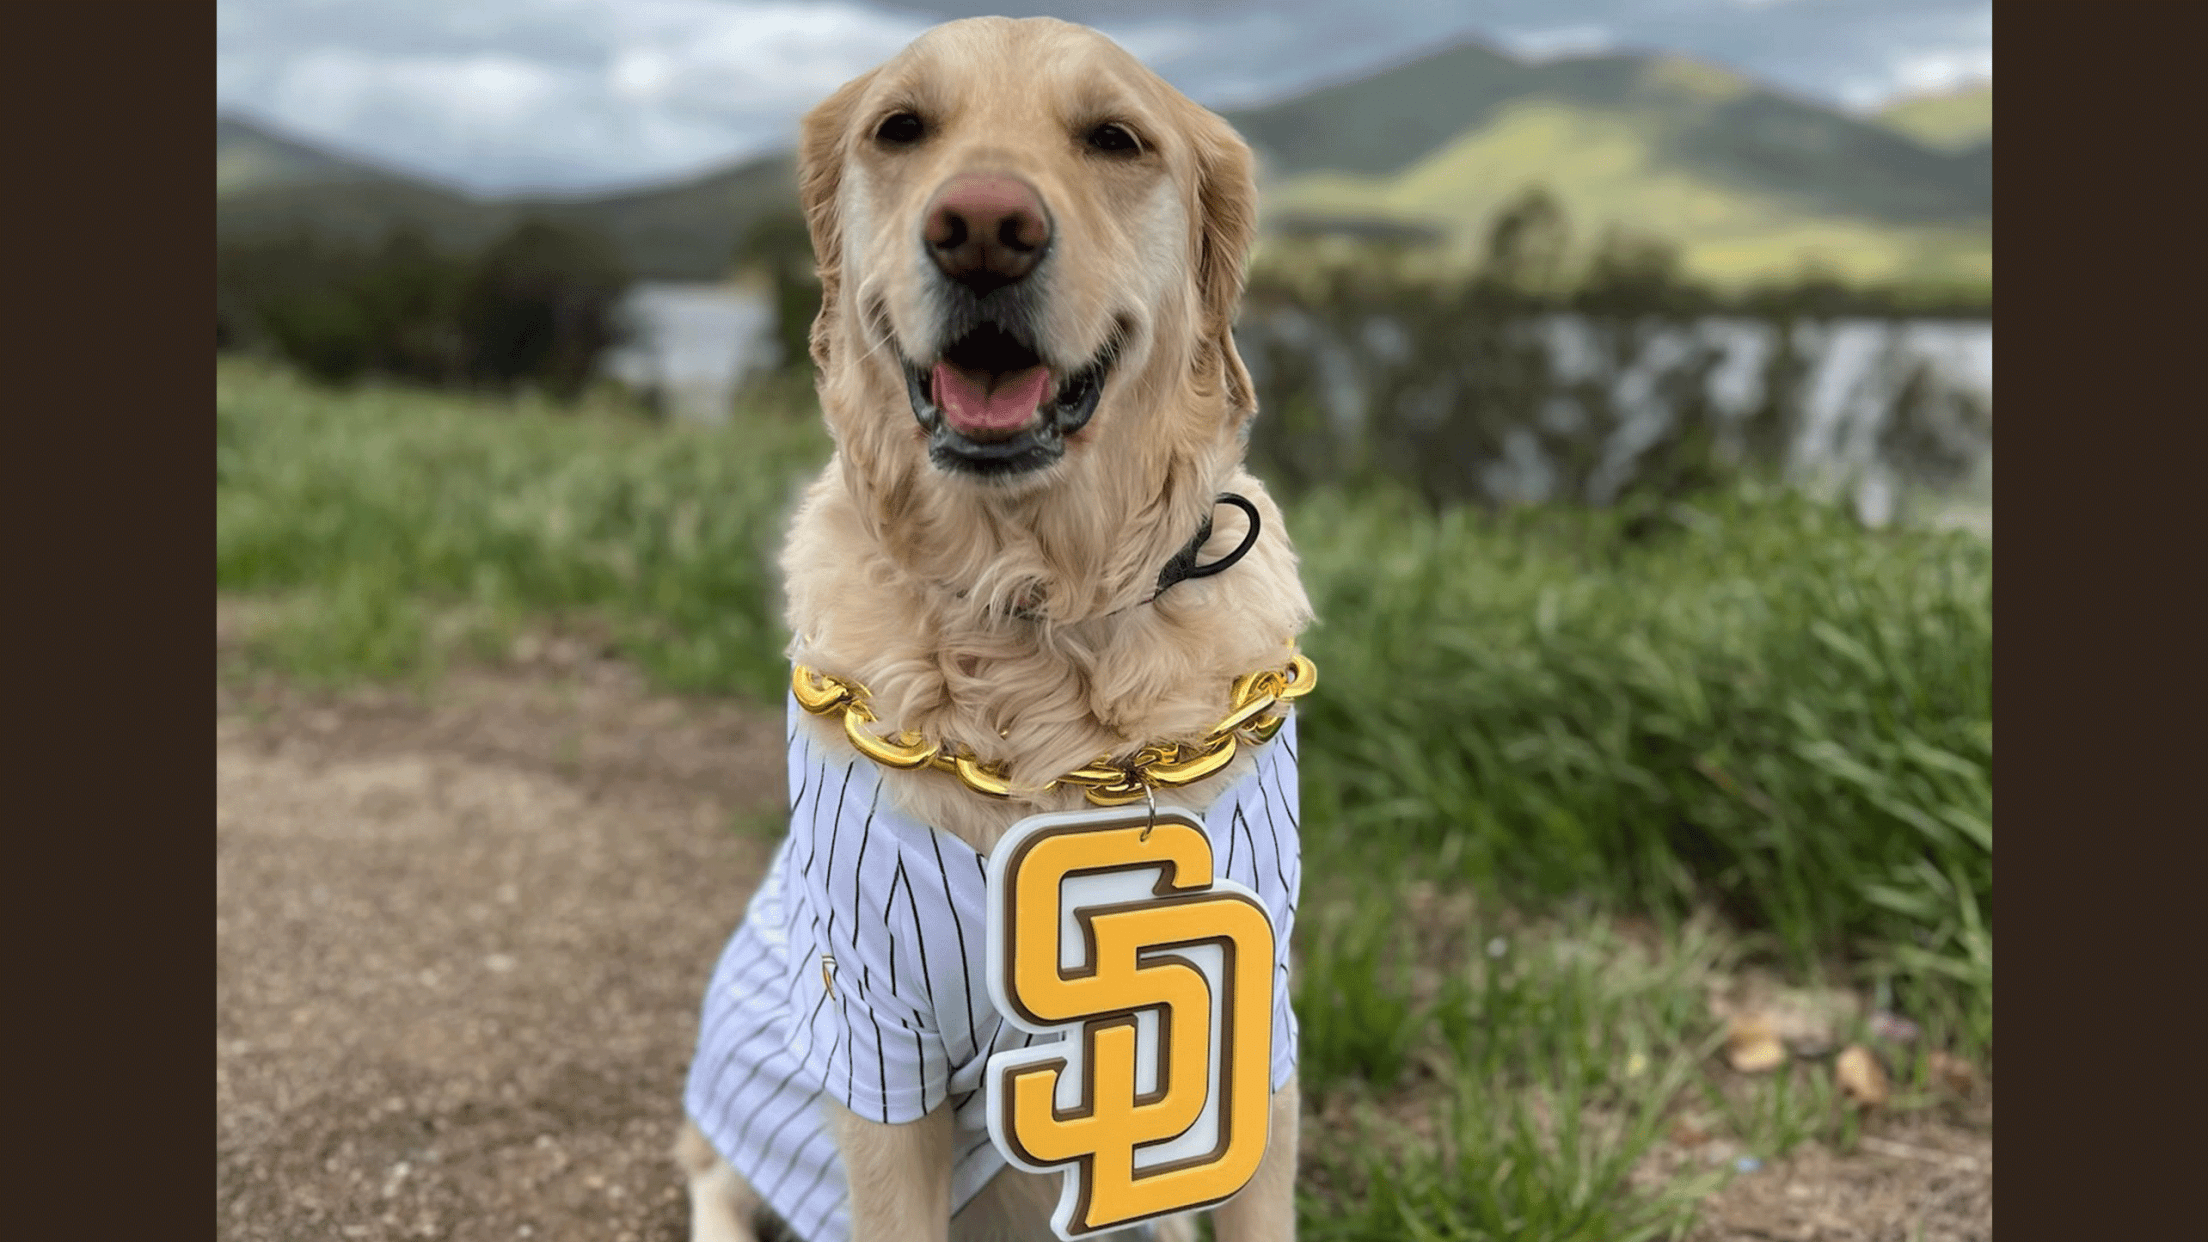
x=1031, y=249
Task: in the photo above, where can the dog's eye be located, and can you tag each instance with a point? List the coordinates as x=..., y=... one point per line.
x=900, y=129
x=1114, y=138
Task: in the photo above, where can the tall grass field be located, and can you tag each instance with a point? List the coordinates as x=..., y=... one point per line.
x=1562, y=776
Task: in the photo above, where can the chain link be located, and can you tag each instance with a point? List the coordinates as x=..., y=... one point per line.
x=1107, y=782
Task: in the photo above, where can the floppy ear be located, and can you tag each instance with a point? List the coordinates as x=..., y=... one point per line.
x=821, y=149
x=1226, y=224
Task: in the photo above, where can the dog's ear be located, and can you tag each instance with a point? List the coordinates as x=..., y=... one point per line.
x=822, y=146
x=1226, y=224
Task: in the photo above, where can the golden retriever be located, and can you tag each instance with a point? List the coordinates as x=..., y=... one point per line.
x=1031, y=252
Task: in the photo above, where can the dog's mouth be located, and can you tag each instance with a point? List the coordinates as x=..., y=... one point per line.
x=991, y=405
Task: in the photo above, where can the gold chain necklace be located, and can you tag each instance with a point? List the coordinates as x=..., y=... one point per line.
x=1108, y=782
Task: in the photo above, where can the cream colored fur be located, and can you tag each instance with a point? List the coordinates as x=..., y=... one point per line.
x=906, y=578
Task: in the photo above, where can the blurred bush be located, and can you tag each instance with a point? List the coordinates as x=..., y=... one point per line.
x=1624, y=382
x=534, y=308
x=779, y=249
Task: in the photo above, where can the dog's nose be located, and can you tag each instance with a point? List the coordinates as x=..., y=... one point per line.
x=986, y=229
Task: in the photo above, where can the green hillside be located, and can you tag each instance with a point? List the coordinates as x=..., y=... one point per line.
x=1699, y=118
x=249, y=157
x=1954, y=121
x=1610, y=166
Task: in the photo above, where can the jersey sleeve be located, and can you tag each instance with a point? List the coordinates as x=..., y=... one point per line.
x=864, y=1025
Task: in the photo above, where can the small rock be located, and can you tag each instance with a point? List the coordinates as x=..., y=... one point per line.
x=499, y=963
x=1752, y=1046
x=1952, y=1072
x=1747, y=1164
x=1861, y=1076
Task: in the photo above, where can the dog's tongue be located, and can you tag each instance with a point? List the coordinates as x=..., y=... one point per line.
x=989, y=401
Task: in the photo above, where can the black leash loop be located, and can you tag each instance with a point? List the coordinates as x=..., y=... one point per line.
x=1183, y=565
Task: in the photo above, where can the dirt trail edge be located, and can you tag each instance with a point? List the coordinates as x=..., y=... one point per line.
x=460, y=947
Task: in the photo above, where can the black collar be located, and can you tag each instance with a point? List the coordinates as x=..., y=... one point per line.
x=1183, y=566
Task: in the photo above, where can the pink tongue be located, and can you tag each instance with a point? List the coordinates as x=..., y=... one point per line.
x=989, y=402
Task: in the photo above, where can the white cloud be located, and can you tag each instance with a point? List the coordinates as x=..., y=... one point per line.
x=1926, y=72
x=1918, y=73
x=1552, y=42
x=517, y=94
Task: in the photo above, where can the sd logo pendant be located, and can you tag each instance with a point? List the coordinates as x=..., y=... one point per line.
x=1110, y=929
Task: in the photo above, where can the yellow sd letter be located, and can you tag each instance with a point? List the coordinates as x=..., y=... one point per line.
x=1114, y=932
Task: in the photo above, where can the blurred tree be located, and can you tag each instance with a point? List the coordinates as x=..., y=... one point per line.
x=409, y=301
x=538, y=307
x=1635, y=273
x=296, y=294
x=1526, y=244
x=779, y=248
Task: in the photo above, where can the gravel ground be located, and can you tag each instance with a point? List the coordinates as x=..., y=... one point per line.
x=460, y=950
x=460, y=944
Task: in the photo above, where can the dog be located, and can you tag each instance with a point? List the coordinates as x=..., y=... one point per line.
x=1031, y=252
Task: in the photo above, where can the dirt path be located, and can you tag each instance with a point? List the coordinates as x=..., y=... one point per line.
x=460, y=949
x=460, y=946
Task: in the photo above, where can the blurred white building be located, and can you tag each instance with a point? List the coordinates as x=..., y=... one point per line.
x=691, y=345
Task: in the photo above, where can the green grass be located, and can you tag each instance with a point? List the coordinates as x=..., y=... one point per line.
x=1526, y=727
x=1764, y=707
x=400, y=524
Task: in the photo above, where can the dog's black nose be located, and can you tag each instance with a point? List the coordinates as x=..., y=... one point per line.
x=985, y=230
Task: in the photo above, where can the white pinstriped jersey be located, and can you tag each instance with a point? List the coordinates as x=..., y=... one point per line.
x=857, y=976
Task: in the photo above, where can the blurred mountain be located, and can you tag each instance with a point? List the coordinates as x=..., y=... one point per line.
x=1950, y=121
x=249, y=158
x=268, y=184
x=1751, y=184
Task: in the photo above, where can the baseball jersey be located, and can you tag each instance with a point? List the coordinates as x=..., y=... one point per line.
x=857, y=976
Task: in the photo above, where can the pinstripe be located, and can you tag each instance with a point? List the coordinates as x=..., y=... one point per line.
x=835, y=834
x=1272, y=825
x=1279, y=871
x=826, y=1162
x=889, y=911
x=919, y=933
x=1249, y=838
x=713, y=1091
x=858, y=869
x=806, y=768
x=973, y=1033
x=793, y=1114
x=779, y=1087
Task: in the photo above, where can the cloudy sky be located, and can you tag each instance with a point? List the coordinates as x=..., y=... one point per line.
x=501, y=95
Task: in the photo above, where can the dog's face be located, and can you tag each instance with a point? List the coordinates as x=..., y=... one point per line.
x=1031, y=247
